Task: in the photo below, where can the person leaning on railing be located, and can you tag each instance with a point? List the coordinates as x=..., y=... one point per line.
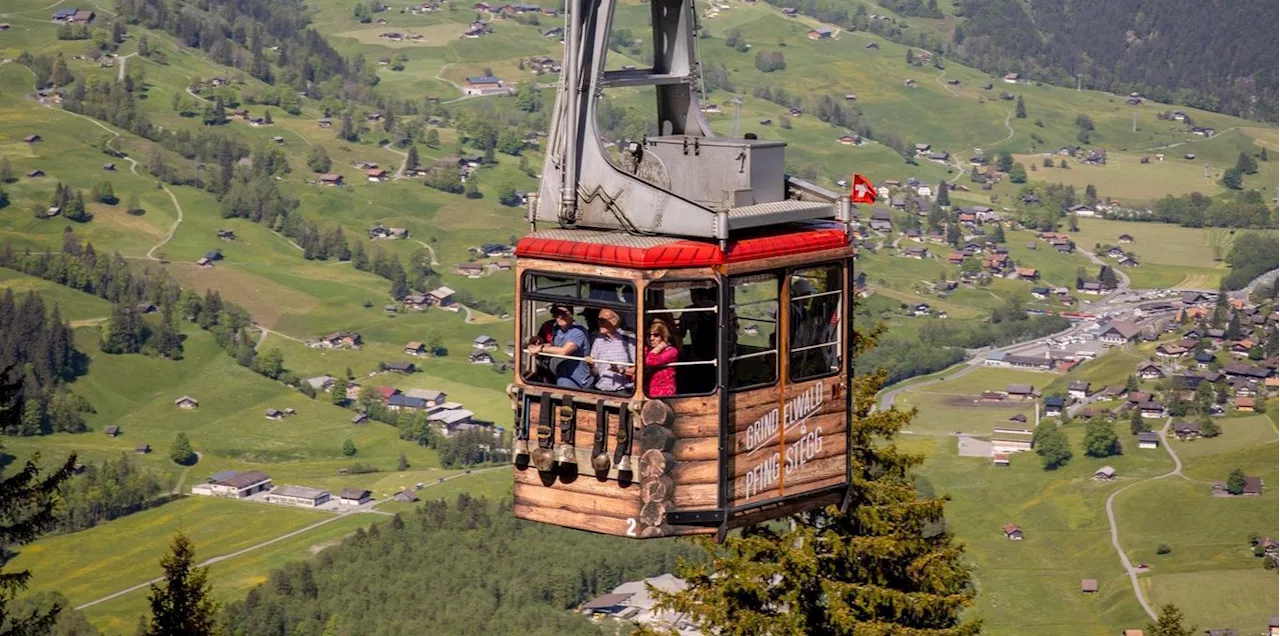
x=660, y=353
x=568, y=340
x=612, y=356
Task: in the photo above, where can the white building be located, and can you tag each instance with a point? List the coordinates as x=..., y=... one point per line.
x=234, y=485
x=299, y=496
x=1010, y=440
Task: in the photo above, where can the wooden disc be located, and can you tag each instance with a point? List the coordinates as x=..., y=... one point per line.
x=653, y=532
x=656, y=412
x=656, y=489
x=653, y=513
x=656, y=437
x=654, y=464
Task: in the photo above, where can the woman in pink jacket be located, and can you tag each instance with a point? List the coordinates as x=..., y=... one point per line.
x=658, y=356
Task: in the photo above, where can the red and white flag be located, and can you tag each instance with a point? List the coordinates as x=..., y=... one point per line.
x=863, y=191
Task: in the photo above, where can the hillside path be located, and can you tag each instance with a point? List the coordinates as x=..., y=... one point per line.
x=399, y=171
x=429, y=249
x=123, y=60
x=288, y=535
x=1115, y=529
x=133, y=167
x=1191, y=141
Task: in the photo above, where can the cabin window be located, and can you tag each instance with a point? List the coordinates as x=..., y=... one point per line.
x=753, y=324
x=681, y=338
x=815, y=328
x=579, y=333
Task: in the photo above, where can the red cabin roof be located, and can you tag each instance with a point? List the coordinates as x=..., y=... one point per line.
x=661, y=252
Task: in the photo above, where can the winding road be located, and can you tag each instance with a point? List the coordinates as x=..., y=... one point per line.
x=1115, y=529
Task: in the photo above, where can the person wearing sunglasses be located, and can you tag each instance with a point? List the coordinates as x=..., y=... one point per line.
x=659, y=354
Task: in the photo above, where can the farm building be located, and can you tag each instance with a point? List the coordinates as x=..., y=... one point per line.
x=186, y=402
x=1012, y=532
x=1089, y=586
x=1010, y=440
x=354, y=496
x=143, y=449
x=111, y=431
x=1106, y=473
x=299, y=496
x=233, y=484
x=405, y=496
x=1148, y=440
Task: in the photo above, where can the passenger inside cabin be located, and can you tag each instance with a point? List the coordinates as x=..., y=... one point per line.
x=659, y=355
x=612, y=356
x=568, y=339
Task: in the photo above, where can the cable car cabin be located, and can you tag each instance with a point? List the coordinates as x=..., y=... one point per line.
x=666, y=386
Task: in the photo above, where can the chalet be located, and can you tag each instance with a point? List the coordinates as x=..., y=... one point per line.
x=405, y=496
x=1091, y=288
x=1106, y=473
x=274, y=414
x=484, y=85
x=324, y=123
x=1186, y=430
x=554, y=32
x=376, y=174
x=1148, y=439
x=401, y=367
x=330, y=179
x=63, y=15
x=1136, y=397
x=1053, y=406
x=1040, y=293
x=35, y=174
x=1011, y=78
x=32, y=139
x=213, y=255
x=227, y=235
x=111, y=431
x=486, y=343
x=880, y=220
x=204, y=262
x=820, y=33
x=321, y=382
x=354, y=496
x=1089, y=586
x=1021, y=391
x=413, y=301
x=359, y=418
x=415, y=348
x=996, y=358
x=1244, y=404
x=1012, y=532
x=186, y=402
x=142, y=449
x=1128, y=261
x=849, y=140
x=340, y=339
x=1082, y=210
x=1125, y=239
x=440, y=297
x=1027, y=273
x=433, y=397
x=83, y=16
x=790, y=12
x=1252, y=486
x=1120, y=332
x=480, y=357
x=1151, y=410
x=1150, y=371
x=278, y=139
x=1204, y=359
x=470, y=270
x=1246, y=371
x=1078, y=389
x=1171, y=350
x=955, y=258
x=918, y=253
x=109, y=167
x=146, y=308
x=381, y=231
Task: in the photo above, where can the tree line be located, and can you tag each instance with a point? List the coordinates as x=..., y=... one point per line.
x=498, y=578
x=38, y=356
x=107, y=491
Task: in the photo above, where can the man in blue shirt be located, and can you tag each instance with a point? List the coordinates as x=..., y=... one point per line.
x=568, y=339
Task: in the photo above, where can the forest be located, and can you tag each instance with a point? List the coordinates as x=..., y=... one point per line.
x=106, y=491
x=1251, y=255
x=37, y=356
x=1218, y=56
x=466, y=567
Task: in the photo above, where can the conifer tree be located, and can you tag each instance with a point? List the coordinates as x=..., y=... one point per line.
x=1169, y=623
x=881, y=566
x=181, y=452
x=28, y=501
x=182, y=604
x=338, y=394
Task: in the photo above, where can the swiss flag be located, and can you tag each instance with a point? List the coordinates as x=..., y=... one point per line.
x=863, y=191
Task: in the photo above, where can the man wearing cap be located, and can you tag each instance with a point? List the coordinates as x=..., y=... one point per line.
x=612, y=356
x=567, y=339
